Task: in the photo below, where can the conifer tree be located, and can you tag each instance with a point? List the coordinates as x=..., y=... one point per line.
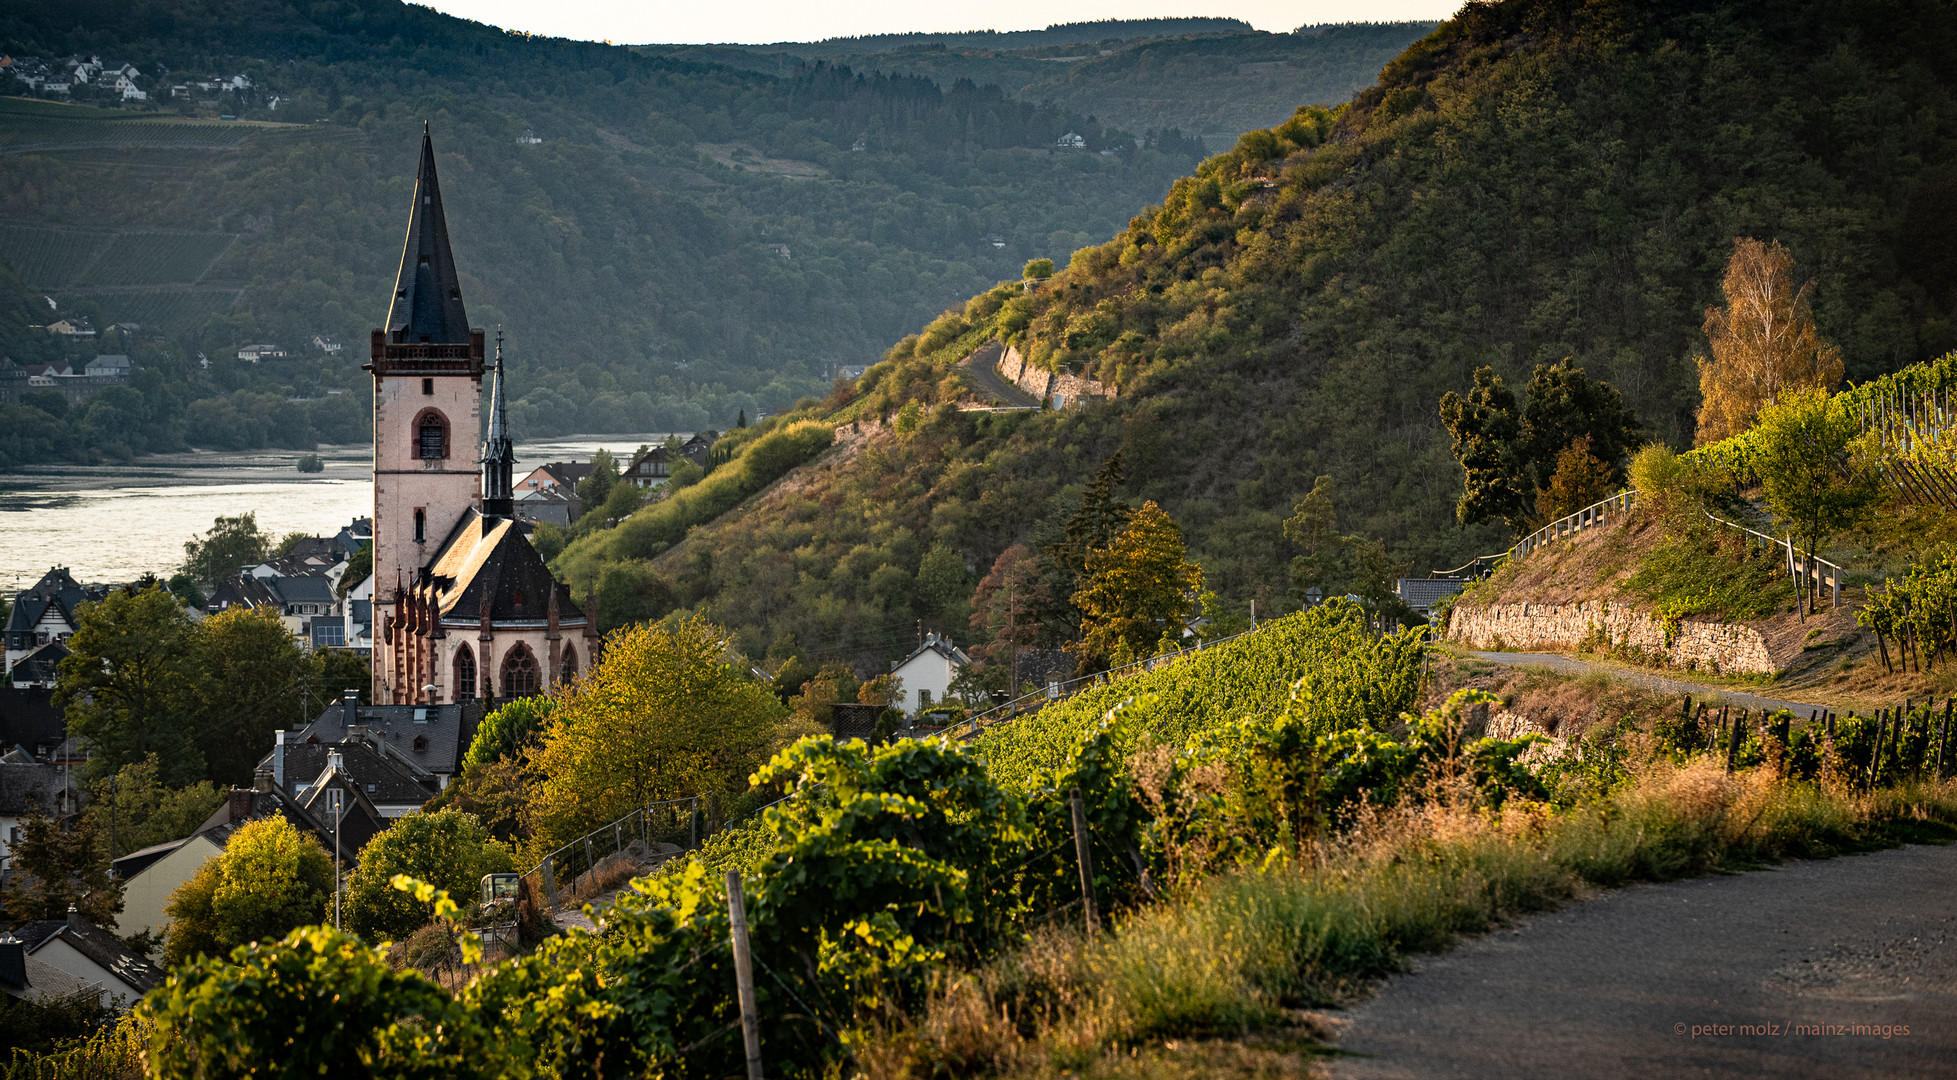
x=1136, y=590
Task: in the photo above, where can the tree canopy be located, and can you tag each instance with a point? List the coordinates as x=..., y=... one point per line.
x=270, y=879
x=446, y=848
x=665, y=714
x=1764, y=341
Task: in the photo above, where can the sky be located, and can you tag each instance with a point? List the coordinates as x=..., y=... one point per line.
x=765, y=21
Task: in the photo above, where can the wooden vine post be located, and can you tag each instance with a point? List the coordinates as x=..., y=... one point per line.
x=744, y=974
x=1733, y=740
x=1085, y=856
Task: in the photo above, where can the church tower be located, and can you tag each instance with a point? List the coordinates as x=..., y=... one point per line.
x=428, y=369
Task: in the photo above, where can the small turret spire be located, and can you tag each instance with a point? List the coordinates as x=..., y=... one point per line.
x=498, y=452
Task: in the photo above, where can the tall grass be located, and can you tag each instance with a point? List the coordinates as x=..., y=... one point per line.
x=1245, y=951
x=114, y=1053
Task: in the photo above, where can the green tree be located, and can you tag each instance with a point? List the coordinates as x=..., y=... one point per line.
x=360, y=566
x=61, y=863
x=332, y=673
x=1509, y=456
x=667, y=713
x=139, y=810
x=270, y=879
x=1038, y=269
x=252, y=677
x=594, y=489
x=942, y=582
x=622, y=502
x=1137, y=589
x=447, y=848
x=233, y=542
x=131, y=682
x=508, y=731
x=549, y=540
x=1580, y=479
x=1805, y=452
x=184, y=588
x=1314, y=526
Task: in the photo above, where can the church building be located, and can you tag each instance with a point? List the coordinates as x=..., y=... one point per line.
x=464, y=607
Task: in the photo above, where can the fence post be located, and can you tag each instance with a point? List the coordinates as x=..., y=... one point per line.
x=744, y=974
x=1733, y=741
x=1943, y=737
x=693, y=824
x=1085, y=857
x=589, y=862
x=550, y=881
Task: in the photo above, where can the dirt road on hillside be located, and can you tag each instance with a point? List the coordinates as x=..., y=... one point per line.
x=1556, y=662
x=1715, y=977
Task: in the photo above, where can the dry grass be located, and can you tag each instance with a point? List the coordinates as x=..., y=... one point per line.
x=1223, y=981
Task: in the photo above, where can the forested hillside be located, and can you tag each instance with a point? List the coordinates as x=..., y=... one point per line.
x=1538, y=179
x=618, y=213
x=1212, y=78
x=668, y=241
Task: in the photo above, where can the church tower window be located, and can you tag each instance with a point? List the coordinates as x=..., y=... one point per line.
x=568, y=670
x=520, y=672
x=431, y=435
x=465, y=674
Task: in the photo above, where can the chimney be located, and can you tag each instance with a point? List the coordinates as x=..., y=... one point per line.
x=350, y=703
x=239, y=804
x=261, y=781
x=278, y=758
x=13, y=963
x=75, y=921
x=335, y=762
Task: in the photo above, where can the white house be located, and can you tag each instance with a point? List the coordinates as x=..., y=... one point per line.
x=91, y=954
x=926, y=674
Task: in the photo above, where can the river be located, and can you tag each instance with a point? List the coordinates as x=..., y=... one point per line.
x=114, y=523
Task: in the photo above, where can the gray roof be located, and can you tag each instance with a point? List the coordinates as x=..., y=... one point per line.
x=385, y=781
x=108, y=952
x=309, y=589
x=26, y=788
x=448, y=730
x=1421, y=594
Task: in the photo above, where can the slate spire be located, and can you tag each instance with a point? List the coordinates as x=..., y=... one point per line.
x=427, y=303
x=498, y=452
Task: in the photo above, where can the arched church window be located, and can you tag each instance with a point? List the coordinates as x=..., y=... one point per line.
x=520, y=675
x=465, y=674
x=431, y=435
x=567, y=671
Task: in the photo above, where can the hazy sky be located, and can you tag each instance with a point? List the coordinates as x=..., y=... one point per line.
x=761, y=21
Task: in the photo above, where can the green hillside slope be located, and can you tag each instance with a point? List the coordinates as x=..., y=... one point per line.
x=1537, y=179
x=1211, y=78
x=622, y=215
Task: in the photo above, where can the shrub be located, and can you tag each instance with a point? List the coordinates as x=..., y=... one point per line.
x=447, y=848
x=315, y=1003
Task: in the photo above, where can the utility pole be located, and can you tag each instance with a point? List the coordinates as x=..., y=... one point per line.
x=336, y=802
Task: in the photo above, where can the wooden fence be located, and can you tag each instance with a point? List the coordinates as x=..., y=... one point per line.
x=1590, y=517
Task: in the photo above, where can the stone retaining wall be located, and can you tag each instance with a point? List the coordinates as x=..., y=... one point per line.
x=1721, y=648
x=1066, y=390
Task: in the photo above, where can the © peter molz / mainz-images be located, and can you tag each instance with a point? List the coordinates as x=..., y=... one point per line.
x=1269, y=540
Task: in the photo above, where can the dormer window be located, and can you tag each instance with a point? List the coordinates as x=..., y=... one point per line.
x=421, y=744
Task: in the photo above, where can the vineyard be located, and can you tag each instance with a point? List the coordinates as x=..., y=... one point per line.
x=1349, y=679
x=49, y=258
x=29, y=126
x=155, y=258
x=170, y=311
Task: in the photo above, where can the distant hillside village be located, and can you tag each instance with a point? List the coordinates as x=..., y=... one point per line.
x=92, y=79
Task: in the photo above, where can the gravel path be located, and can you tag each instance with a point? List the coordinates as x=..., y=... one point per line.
x=1710, y=977
x=1556, y=662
